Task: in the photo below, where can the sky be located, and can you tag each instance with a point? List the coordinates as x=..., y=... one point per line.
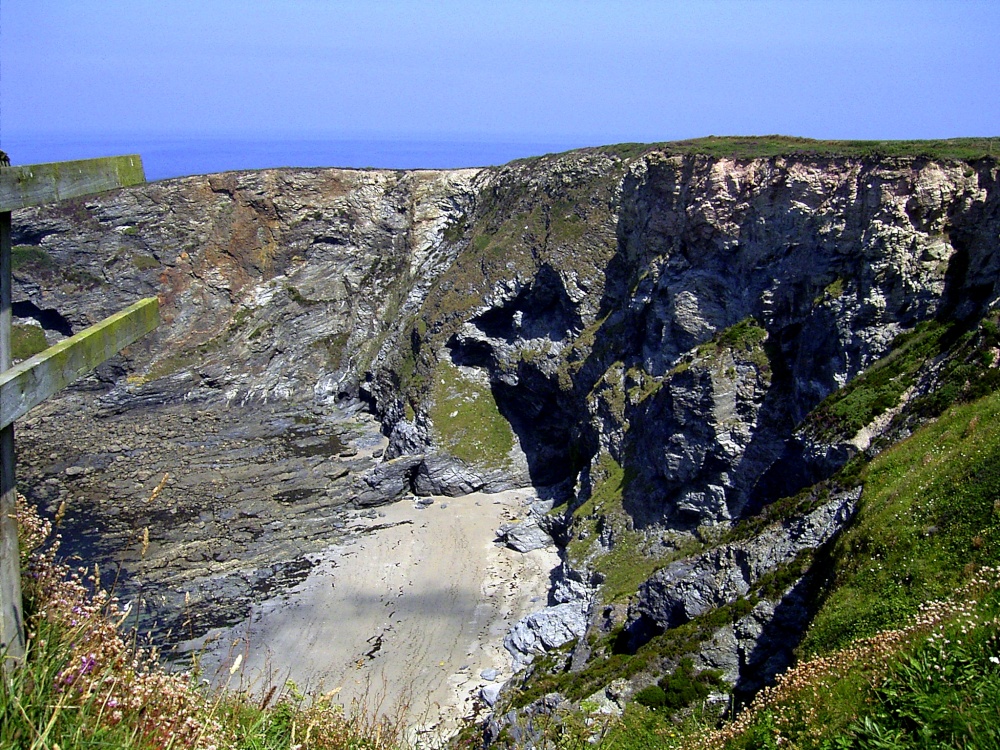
x=556, y=73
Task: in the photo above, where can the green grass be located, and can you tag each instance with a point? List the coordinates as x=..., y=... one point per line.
x=30, y=256
x=744, y=340
x=880, y=387
x=467, y=423
x=145, y=262
x=929, y=516
x=758, y=147
x=27, y=341
x=933, y=684
x=627, y=563
x=943, y=693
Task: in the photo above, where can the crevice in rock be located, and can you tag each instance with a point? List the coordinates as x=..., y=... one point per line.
x=542, y=310
x=50, y=319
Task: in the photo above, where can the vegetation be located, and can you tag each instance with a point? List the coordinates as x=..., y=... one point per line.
x=746, y=339
x=87, y=684
x=467, y=423
x=929, y=518
x=26, y=341
x=966, y=373
x=932, y=683
x=30, y=256
x=626, y=563
x=145, y=262
x=756, y=147
x=680, y=688
x=904, y=649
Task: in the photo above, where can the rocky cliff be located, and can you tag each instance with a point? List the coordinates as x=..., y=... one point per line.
x=638, y=333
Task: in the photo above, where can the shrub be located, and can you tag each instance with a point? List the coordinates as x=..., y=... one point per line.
x=651, y=697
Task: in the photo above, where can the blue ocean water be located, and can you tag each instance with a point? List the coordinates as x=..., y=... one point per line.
x=174, y=156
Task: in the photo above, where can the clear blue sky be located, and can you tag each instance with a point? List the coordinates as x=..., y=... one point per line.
x=558, y=70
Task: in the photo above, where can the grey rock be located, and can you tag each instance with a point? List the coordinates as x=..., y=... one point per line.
x=290, y=296
x=392, y=479
x=490, y=694
x=691, y=587
x=489, y=674
x=545, y=630
x=525, y=537
x=438, y=475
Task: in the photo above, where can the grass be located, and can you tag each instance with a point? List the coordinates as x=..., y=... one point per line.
x=935, y=682
x=26, y=341
x=86, y=684
x=745, y=340
x=30, y=256
x=874, y=674
x=929, y=517
x=467, y=423
x=932, y=683
x=626, y=564
x=845, y=412
x=758, y=147
x=145, y=262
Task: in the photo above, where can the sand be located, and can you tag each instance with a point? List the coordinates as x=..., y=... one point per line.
x=403, y=620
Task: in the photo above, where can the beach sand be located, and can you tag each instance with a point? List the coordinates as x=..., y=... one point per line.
x=403, y=620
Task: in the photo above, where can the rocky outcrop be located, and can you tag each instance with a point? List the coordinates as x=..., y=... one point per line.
x=676, y=316
x=545, y=630
x=688, y=588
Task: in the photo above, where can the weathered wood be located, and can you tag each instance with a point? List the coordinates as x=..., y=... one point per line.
x=11, y=614
x=34, y=184
x=34, y=380
x=11, y=608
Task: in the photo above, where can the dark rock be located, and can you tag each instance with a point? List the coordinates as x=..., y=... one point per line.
x=438, y=475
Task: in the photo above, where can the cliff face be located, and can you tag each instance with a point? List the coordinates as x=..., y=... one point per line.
x=684, y=314
x=639, y=336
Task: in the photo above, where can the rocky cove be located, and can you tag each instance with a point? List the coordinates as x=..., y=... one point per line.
x=631, y=338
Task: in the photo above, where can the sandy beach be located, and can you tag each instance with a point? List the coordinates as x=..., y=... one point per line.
x=405, y=619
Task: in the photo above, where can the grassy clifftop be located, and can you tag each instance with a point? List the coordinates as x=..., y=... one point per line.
x=754, y=147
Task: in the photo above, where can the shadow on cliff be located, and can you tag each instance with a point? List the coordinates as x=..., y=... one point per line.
x=547, y=420
x=773, y=649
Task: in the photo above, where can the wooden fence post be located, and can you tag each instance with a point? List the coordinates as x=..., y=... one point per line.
x=11, y=613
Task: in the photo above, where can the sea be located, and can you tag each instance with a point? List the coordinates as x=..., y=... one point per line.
x=175, y=156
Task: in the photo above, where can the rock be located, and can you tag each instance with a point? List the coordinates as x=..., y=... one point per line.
x=442, y=476
x=490, y=694
x=680, y=316
x=546, y=629
x=392, y=479
x=687, y=588
x=612, y=699
x=525, y=537
x=489, y=674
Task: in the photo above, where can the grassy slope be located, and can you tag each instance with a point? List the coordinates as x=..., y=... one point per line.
x=929, y=523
